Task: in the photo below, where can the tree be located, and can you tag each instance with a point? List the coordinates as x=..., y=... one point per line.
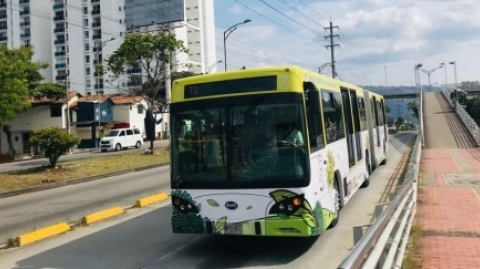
x=18, y=82
x=153, y=53
x=414, y=107
x=473, y=108
x=54, y=142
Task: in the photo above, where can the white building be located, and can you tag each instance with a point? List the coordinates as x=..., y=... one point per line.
x=86, y=32
x=23, y=22
x=196, y=30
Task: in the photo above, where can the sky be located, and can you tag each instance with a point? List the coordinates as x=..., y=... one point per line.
x=380, y=40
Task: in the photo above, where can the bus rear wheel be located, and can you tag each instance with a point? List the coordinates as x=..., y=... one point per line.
x=336, y=204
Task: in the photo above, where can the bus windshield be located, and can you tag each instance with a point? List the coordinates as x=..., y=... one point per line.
x=256, y=141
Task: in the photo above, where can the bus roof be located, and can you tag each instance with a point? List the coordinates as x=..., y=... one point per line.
x=296, y=76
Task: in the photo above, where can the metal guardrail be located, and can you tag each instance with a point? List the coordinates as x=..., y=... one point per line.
x=471, y=125
x=384, y=243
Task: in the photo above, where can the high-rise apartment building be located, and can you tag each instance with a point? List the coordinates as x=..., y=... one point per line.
x=192, y=21
x=23, y=22
x=75, y=35
x=86, y=32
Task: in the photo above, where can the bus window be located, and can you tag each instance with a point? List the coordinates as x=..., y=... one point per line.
x=380, y=114
x=332, y=113
x=363, y=114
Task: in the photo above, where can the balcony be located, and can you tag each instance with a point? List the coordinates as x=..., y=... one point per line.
x=58, y=6
x=60, y=66
x=3, y=38
x=98, y=36
x=95, y=49
x=59, y=41
x=95, y=1
x=3, y=5
x=134, y=70
x=59, y=30
x=24, y=1
x=25, y=35
x=3, y=27
x=96, y=24
x=61, y=77
x=60, y=53
x=24, y=12
x=134, y=83
x=96, y=12
x=98, y=86
x=3, y=16
x=24, y=23
x=59, y=18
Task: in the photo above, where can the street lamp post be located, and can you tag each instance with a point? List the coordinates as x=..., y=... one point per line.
x=445, y=69
x=323, y=66
x=98, y=49
x=225, y=36
x=454, y=63
x=429, y=73
x=212, y=66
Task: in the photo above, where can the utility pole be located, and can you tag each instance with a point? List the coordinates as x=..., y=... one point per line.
x=332, y=46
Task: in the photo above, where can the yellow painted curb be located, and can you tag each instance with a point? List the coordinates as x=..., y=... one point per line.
x=43, y=233
x=101, y=215
x=151, y=199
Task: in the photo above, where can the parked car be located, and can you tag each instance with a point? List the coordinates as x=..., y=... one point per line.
x=118, y=139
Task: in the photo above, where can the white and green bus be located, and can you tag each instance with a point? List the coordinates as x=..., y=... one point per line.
x=271, y=151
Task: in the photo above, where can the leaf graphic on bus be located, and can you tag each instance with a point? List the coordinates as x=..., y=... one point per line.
x=213, y=203
x=280, y=195
x=220, y=225
x=249, y=207
x=309, y=220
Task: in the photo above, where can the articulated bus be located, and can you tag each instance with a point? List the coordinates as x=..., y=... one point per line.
x=271, y=151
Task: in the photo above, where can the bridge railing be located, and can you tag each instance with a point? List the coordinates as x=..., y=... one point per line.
x=384, y=243
x=471, y=125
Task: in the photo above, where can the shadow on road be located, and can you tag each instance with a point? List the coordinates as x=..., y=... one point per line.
x=147, y=242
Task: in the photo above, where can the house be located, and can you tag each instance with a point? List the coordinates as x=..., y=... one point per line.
x=94, y=118
x=131, y=109
x=43, y=112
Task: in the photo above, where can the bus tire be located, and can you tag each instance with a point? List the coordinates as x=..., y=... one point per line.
x=337, y=205
x=384, y=162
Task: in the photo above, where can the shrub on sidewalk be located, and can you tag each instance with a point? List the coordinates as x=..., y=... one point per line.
x=54, y=142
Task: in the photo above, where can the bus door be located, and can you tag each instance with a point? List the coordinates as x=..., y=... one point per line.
x=347, y=112
x=375, y=122
x=356, y=120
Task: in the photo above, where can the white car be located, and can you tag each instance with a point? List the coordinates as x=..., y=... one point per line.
x=118, y=139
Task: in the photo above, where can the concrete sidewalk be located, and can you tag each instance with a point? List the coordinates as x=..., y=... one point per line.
x=448, y=199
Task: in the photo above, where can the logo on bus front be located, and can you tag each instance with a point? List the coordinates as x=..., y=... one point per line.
x=231, y=205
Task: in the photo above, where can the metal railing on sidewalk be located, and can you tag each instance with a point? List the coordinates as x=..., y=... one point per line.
x=469, y=122
x=384, y=242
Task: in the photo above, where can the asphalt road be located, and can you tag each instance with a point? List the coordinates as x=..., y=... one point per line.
x=142, y=238
x=21, y=165
x=27, y=212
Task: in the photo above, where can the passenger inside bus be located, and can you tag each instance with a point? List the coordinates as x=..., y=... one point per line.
x=286, y=126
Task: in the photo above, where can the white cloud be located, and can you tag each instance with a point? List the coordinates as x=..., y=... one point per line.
x=377, y=32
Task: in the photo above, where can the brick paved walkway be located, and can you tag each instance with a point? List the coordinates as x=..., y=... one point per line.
x=448, y=198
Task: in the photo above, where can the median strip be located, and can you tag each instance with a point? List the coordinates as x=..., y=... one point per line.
x=39, y=178
x=40, y=234
x=101, y=215
x=142, y=202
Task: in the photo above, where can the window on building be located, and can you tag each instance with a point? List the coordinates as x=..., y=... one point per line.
x=55, y=111
x=87, y=58
x=87, y=34
x=87, y=47
x=89, y=83
x=85, y=22
x=88, y=70
x=85, y=10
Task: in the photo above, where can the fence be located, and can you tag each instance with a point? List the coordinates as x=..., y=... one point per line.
x=383, y=243
x=471, y=125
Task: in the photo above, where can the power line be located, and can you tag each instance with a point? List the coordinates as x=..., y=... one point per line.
x=332, y=46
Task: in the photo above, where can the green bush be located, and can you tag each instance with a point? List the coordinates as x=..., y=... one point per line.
x=54, y=142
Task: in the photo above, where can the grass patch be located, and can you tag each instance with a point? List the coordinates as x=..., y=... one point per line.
x=67, y=171
x=412, y=259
